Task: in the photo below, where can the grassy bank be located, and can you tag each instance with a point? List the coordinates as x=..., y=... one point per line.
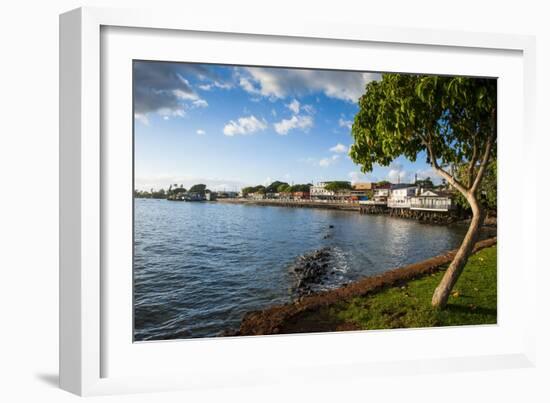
x=473, y=302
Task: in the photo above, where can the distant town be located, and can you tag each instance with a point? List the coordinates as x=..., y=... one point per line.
x=366, y=197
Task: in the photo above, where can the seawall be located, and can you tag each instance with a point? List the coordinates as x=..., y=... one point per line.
x=433, y=217
x=294, y=204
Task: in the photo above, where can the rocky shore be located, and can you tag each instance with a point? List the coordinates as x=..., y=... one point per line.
x=313, y=271
x=310, y=269
x=279, y=319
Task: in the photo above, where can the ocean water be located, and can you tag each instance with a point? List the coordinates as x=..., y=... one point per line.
x=199, y=267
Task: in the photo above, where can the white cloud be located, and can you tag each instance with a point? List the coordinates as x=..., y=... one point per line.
x=397, y=174
x=247, y=85
x=142, y=118
x=428, y=173
x=201, y=132
x=200, y=103
x=302, y=122
x=169, y=112
x=294, y=106
x=162, y=88
x=345, y=123
x=188, y=96
x=325, y=162
x=280, y=83
x=339, y=148
x=308, y=109
x=244, y=125
x=357, y=176
x=308, y=160
x=215, y=84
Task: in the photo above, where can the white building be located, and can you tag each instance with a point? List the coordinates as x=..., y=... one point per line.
x=400, y=196
x=318, y=191
x=382, y=193
x=256, y=196
x=379, y=197
x=432, y=200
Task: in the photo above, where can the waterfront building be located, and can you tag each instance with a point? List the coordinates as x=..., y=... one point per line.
x=300, y=195
x=343, y=195
x=358, y=186
x=285, y=195
x=381, y=194
x=400, y=195
x=319, y=191
x=433, y=200
x=256, y=196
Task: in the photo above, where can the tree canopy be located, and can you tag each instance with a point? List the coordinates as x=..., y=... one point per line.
x=273, y=188
x=451, y=119
x=425, y=183
x=277, y=187
x=338, y=186
x=300, y=188
x=200, y=188
x=253, y=189
x=487, y=187
x=283, y=188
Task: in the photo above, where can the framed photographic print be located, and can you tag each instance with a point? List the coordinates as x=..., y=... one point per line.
x=236, y=197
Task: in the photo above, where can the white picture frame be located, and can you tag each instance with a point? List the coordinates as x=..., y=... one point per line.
x=90, y=340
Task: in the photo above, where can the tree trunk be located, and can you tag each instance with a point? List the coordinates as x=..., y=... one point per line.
x=443, y=290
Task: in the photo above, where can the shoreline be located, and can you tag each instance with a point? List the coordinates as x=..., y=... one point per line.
x=490, y=222
x=294, y=204
x=273, y=320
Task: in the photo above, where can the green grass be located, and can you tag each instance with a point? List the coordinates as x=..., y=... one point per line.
x=473, y=301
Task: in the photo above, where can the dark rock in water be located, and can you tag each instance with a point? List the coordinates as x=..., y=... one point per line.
x=331, y=226
x=310, y=270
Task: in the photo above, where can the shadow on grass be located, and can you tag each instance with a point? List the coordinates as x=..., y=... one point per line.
x=467, y=309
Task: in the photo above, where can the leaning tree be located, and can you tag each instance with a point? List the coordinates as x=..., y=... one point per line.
x=450, y=120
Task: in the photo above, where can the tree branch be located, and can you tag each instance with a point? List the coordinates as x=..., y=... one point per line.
x=448, y=177
x=484, y=162
x=472, y=165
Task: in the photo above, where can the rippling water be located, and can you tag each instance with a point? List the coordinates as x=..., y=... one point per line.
x=199, y=267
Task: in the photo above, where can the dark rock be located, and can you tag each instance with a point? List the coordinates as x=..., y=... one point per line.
x=310, y=270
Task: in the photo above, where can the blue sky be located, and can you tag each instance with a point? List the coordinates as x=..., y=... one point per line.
x=229, y=126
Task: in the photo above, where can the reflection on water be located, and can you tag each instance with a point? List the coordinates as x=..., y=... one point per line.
x=199, y=267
